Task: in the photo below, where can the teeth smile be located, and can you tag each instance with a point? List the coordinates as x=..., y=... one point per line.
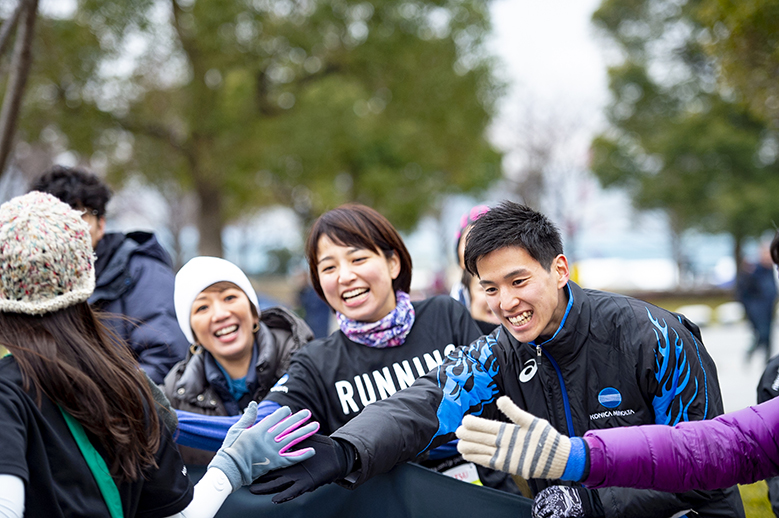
x=521, y=319
x=354, y=293
x=226, y=330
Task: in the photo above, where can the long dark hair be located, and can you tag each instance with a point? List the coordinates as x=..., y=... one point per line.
x=361, y=227
x=71, y=358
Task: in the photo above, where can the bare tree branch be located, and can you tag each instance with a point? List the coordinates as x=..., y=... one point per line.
x=20, y=69
x=9, y=25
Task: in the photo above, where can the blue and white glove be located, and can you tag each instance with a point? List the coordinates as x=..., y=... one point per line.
x=250, y=451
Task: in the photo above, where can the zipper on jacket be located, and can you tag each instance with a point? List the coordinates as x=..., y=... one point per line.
x=539, y=349
x=566, y=403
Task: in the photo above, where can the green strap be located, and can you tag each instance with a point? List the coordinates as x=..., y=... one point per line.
x=97, y=465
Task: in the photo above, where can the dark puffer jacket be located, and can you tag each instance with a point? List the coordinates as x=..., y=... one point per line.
x=192, y=386
x=134, y=279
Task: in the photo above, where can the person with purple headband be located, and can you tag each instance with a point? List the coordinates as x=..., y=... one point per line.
x=467, y=290
x=466, y=222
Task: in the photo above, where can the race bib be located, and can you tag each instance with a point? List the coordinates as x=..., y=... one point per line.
x=465, y=472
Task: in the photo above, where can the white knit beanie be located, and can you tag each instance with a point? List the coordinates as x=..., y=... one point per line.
x=46, y=260
x=198, y=274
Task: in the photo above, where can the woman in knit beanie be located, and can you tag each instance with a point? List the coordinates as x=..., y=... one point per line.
x=79, y=434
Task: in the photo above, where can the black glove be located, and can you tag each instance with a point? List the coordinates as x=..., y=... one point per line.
x=333, y=460
x=567, y=502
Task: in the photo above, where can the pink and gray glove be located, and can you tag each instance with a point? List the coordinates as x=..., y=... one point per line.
x=250, y=451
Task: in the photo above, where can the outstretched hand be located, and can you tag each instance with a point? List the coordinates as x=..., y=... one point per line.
x=531, y=447
x=333, y=461
x=251, y=451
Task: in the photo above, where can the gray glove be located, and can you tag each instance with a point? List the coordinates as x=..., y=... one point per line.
x=247, y=453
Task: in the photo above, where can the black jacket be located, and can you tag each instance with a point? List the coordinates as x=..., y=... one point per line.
x=134, y=279
x=39, y=448
x=614, y=361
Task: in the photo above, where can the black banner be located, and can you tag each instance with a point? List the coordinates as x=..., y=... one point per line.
x=408, y=491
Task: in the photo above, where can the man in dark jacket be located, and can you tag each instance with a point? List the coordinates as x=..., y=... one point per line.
x=756, y=289
x=134, y=279
x=582, y=359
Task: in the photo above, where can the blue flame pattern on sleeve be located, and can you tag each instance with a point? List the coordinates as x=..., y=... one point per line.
x=466, y=380
x=678, y=387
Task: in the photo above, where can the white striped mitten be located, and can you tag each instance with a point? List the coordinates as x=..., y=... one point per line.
x=530, y=448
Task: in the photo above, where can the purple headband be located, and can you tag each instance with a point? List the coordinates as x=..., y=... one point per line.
x=466, y=220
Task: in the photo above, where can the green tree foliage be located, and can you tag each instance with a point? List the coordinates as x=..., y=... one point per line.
x=744, y=37
x=307, y=103
x=676, y=141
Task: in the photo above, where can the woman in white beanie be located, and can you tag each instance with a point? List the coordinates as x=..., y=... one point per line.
x=238, y=352
x=81, y=432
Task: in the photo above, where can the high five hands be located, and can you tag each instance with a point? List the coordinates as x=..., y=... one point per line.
x=251, y=451
x=531, y=447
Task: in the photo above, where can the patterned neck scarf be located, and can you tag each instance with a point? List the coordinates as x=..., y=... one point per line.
x=390, y=331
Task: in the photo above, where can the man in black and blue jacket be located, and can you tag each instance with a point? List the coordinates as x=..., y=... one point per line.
x=582, y=359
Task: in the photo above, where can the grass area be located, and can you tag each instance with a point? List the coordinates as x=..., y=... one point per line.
x=755, y=497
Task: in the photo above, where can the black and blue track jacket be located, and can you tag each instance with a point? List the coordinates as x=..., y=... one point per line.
x=613, y=361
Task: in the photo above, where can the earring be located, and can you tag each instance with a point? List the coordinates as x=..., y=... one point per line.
x=256, y=327
x=195, y=349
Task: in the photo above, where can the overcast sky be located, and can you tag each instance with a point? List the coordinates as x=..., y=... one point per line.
x=550, y=47
x=553, y=58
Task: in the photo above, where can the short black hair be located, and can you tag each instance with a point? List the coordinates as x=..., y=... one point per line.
x=362, y=227
x=512, y=224
x=75, y=186
x=775, y=248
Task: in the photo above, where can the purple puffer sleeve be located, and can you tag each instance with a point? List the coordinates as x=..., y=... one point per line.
x=738, y=447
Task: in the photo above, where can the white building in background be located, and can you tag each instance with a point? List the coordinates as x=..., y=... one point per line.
x=627, y=275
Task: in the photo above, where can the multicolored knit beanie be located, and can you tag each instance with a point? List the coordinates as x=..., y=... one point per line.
x=46, y=260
